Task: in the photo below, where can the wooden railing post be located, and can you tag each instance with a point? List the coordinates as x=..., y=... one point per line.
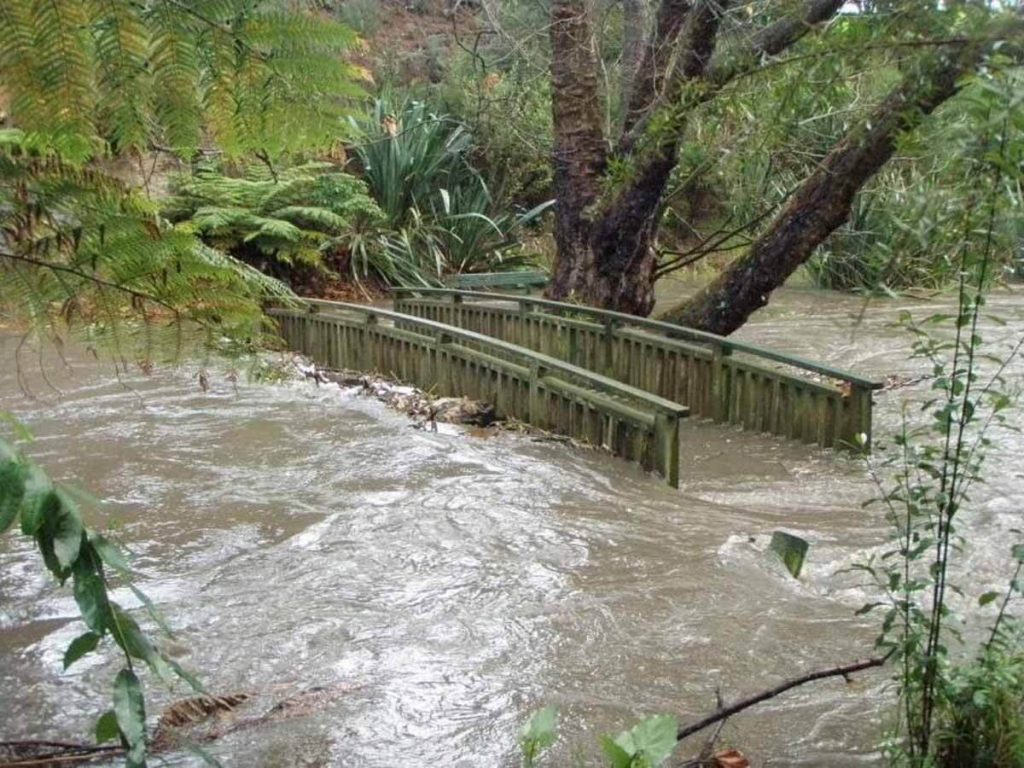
x=309, y=332
x=721, y=383
x=366, y=361
x=538, y=408
x=858, y=431
x=608, y=364
x=443, y=373
x=666, y=447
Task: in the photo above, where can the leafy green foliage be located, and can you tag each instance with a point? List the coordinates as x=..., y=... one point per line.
x=646, y=745
x=82, y=75
x=981, y=716
x=934, y=466
x=442, y=212
x=748, y=150
x=130, y=711
x=507, y=108
x=72, y=551
x=537, y=735
x=898, y=235
x=79, y=250
x=406, y=153
x=301, y=216
x=95, y=79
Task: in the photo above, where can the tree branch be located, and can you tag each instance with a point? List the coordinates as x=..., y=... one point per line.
x=724, y=712
x=822, y=202
x=770, y=41
x=654, y=64
x=725, y=66
x=62, y=268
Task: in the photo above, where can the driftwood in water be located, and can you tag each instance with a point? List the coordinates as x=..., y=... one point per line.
x=187, y=722
x=414, y=402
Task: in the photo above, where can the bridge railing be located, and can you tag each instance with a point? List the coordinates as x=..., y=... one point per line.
x=522, y=384
x=718, y=378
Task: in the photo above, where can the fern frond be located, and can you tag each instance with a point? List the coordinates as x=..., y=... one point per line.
x=122, y=43
x=174, y=62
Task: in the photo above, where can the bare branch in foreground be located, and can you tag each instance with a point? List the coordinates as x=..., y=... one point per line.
x=739, y=706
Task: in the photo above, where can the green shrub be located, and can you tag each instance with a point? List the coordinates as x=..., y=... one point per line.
x=508, y=112
x=441, y=211
x=981, y=721
x=304, y=217
x=364, y=16
x=407, y=152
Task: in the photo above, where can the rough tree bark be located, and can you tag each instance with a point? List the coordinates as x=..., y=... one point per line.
x=611, y=239
x=580, y=152
x=605, y=227
x=634, y=40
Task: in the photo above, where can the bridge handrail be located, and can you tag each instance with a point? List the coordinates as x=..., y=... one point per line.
x=596, y=380
x=668, y=329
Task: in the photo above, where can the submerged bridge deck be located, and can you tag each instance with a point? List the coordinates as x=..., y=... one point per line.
x=728, y=381
x=522, y=384
x=606, y=378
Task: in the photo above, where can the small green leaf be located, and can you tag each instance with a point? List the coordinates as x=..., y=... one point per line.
x=655, y=737
x=203, y=755
x=988, y=597
x=154, y=614
x=68, y=532
x=110, y=554
x=91, y=595
x=80, y=646
x=19, y=428
x=130, y=711
x=187, y=676
x=12, y=488
x=1018, y=552
x=616, y=753
x=106, y=727
x=39, y=502
x=133, y=641
x=538, y=734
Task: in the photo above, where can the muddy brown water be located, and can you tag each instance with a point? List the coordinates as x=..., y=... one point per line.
x=297, y=536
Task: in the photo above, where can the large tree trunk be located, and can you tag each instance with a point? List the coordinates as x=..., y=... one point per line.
x=823, y=201
x=605, y=228
x=580, y=151
x=605, y=238
x=616, y=243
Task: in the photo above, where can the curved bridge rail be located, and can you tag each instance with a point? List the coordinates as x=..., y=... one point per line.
x=535, y=388
x=717, y=378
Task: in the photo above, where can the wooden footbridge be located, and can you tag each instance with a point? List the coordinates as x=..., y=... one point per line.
x=606, y=378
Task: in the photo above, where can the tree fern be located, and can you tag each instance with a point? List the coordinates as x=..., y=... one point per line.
x=300, y=216
x=79, y=250
x=92, y=78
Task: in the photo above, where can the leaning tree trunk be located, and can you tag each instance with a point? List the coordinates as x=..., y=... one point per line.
x=823, y=201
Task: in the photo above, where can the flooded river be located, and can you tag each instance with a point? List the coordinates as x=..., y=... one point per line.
x=296, y=536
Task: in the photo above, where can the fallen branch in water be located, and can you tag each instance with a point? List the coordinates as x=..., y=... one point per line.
x=723, y=712
x=40, y=753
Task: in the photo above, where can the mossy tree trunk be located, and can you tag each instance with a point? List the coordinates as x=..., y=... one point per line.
x=610, y=195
